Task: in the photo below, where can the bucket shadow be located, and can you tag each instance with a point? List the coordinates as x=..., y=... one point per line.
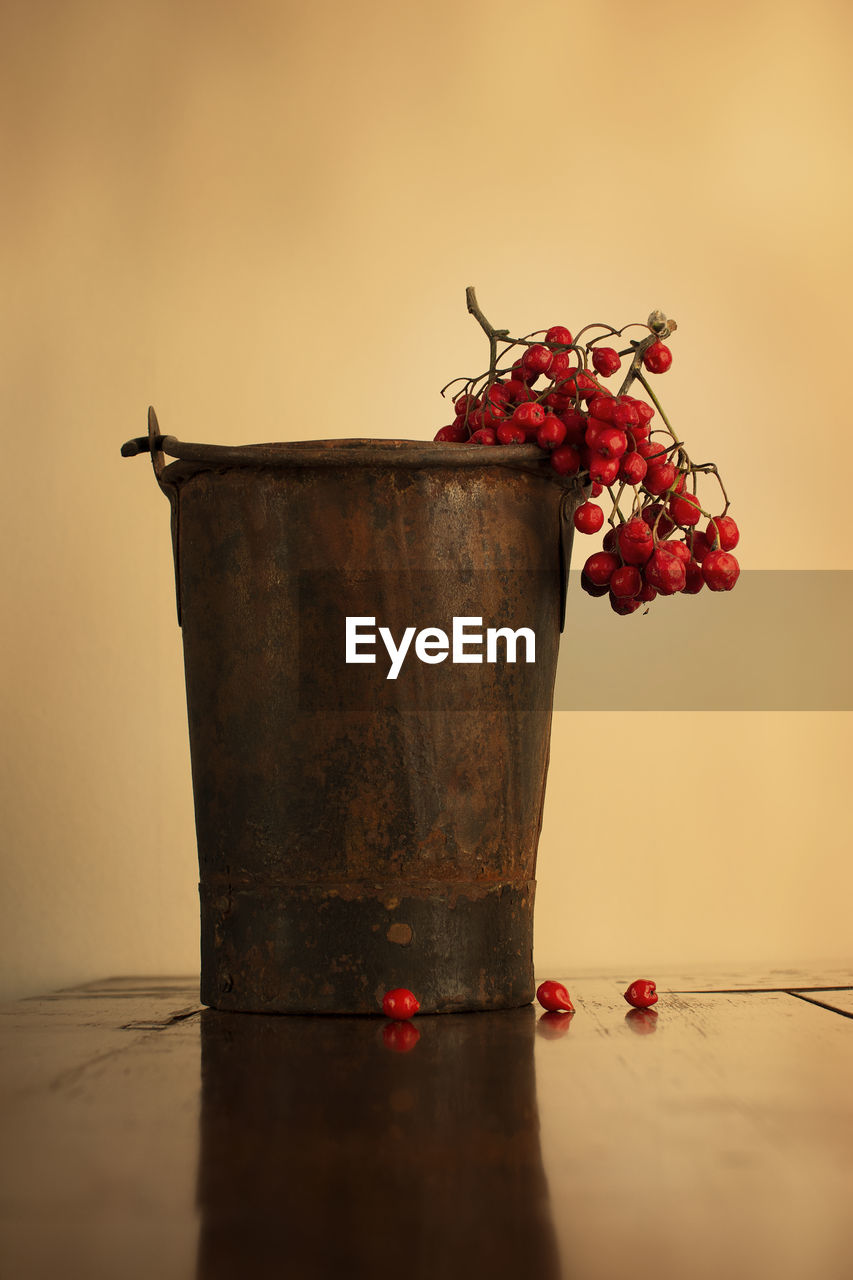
x=338, y=1146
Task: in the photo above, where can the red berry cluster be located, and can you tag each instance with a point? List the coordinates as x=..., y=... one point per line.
x=606, y=440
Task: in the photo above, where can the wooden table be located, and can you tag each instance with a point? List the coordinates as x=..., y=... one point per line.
x=144, y=1136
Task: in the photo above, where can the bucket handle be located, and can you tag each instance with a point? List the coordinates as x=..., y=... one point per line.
x=153, y=444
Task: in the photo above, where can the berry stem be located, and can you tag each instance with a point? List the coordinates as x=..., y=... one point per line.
x=492, y=333
x=644, y=384
x=711, y=468
x=616, y=511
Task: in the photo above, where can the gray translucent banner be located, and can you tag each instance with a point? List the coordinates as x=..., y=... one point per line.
x=780, y=641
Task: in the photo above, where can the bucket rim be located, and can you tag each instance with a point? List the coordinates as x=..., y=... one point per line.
x=357, y=452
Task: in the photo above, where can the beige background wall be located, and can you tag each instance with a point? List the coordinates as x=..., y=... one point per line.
x=261, y=218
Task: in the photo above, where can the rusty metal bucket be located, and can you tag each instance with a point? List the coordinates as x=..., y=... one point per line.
x=357, y=832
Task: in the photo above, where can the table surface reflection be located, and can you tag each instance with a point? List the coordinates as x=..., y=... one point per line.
x=146, y=1136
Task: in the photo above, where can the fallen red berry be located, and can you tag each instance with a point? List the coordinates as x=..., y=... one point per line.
x=641, y=993
x=553, y=995
x=400, y=1003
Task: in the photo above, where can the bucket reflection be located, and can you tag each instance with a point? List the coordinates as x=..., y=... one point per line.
x=326, y=1151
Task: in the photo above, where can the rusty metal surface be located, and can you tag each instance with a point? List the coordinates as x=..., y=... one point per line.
x=357, y=833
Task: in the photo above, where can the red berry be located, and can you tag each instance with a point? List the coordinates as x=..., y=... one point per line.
x=665, y=572
x=566, y=460
x=599, y=568
x=553, y=995
x=626, y=582
x=642, y=993
x=625, y=413
x=588, y=518
x=552, y=433
x=400, y=1003
x=635, y=541
x=720, y=570
x=647, y=594
x=623, y=605
x=645, y=412
x=521, y=373
x=603, y=408
x=455, y=433
x=493, y=414
x=581, y=384
x=400, y=1037
x=684, y=509
x=559, y=333
x=654, y=515
x=537, y=359
x=518, y=391
x=657, y=358
x=699, y=545
x=694, y=581
x=606, y=361
x=597, y=489
x=528, y=416
x=485, y=435
x=590, y=587
x=632, y=468
x=675, y=548
x=601, y=469
x=652, y=450
x=561, y=362
x=509, y=433
x=556, y=402
x=727, y=532
x=610, y=542
x=575, y=425
x=660, y=477
x=594, y=428
x=464, y=404
x=610, y=442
